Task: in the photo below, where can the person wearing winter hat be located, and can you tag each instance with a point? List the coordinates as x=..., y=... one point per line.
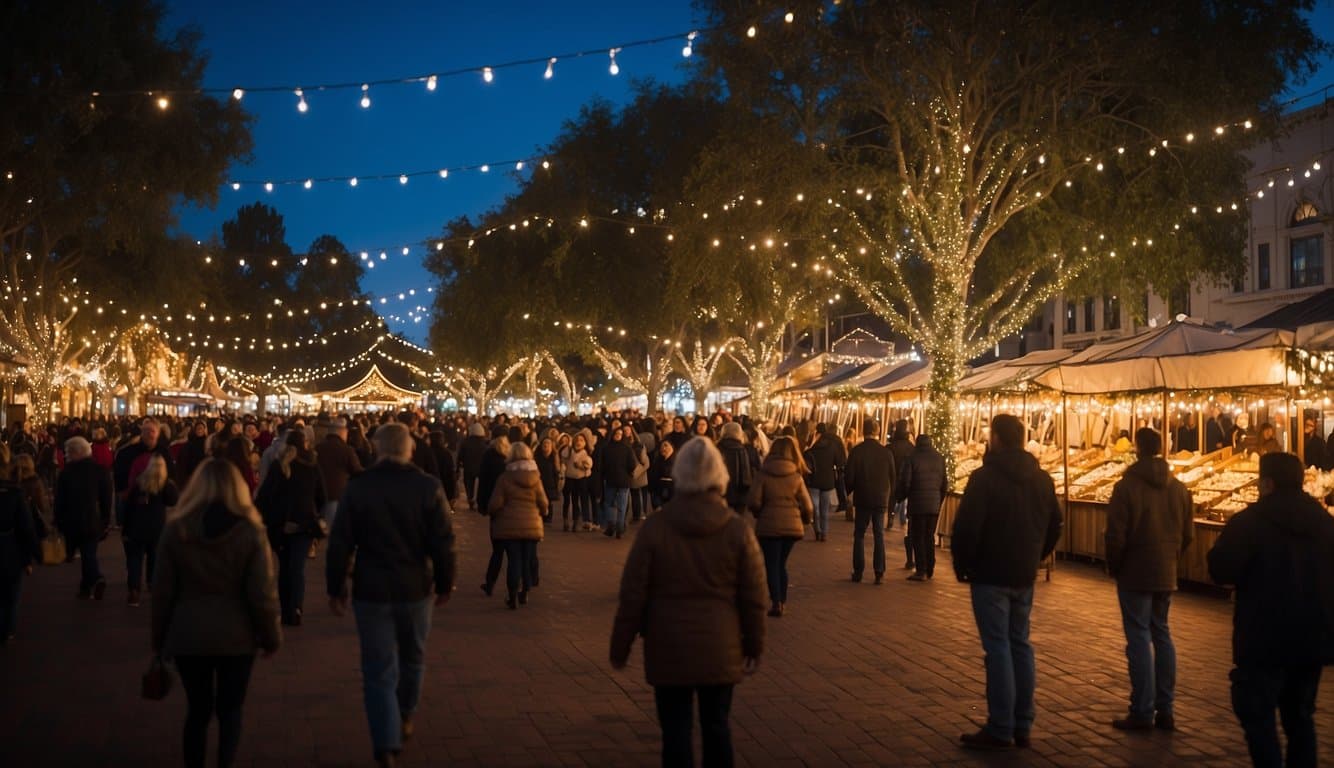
x=471, y=452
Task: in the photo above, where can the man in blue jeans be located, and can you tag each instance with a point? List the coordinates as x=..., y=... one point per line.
x=618, y=469
x=1008, y=522
x=1149, y=525
x=393, y=518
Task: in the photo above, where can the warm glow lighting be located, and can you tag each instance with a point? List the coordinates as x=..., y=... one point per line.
x=750, y=32
x=162, y=102
x=237, y=93
x=487, y=74
x=365, y=96
x=551, y=68
x=430, y=83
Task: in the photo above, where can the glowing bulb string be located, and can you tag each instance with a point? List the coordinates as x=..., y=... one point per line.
x=402, y=177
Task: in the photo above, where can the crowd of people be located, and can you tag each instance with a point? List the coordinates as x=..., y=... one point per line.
x=219, y=515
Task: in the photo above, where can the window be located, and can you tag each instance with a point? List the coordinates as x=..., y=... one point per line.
x=1111, y=313
x=1262, y=267
x=1304, y=212
x=1070, y=316
x=1088, y=315
x=1178, y=302
x=1306, y=261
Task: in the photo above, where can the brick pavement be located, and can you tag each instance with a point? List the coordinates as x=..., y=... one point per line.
x=854, y=675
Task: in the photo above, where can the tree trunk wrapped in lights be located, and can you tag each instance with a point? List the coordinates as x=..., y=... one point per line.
x=565, y=383
x=479, y=386
x=758, y=358
x=701, y=368
x=648, y=378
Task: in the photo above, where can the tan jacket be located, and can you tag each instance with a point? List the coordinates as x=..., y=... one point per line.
x=780, y=501
x=214, y=595
x=694, y=588
x=518, y=503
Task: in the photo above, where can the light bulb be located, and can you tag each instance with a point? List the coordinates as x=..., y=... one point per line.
x=301, y=101
x=551, y=68
x=237, y=93
x=614, y=68
x=487, y=74
x=162, y=102
x=486, y=169
x=518, y=166
x=365, y=96
x=352, y=181
x=236, y=186
x=268, y=186
x=750, y=32
x=444, y=173
x=788, y=17
x=430, y=83
x=402, y=178
x=309, y=183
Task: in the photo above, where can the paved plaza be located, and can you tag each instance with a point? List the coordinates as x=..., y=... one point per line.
x=854, y=674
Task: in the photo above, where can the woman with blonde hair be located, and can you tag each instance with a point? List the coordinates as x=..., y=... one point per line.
x=214, y=603
x=291, y=499
x=783, y=509
x=693, y=587
x=142, y=522
x=517, y=507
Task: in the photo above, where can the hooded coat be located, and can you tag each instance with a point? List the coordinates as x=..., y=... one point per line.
x=780, y=501
x=1008, y=521
x=1149, y=526
x=518, y=503
x=694, y=588
x=739, y=474
x=924, y=482
x=1279, y=554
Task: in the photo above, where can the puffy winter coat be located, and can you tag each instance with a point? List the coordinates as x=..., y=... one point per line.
x=780, y=501
x=924, y=482
x=739, y=471
x=694, y=588
x=518, y=503
x=825, y=458
x=1008, y=521
x=578, y=464
x=1149, y=526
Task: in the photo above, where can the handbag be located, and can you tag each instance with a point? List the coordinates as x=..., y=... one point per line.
x=53, y=549
x=156, y=682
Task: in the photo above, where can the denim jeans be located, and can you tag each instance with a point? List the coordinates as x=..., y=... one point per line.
x=674, y=709
x=922, y=536
x=1149, y=652
x=91, y=572
x=874, y=517
x=824, y=501
x=213, y=685
x=292, y=574
x=136, y=554
x=775, y=552
x=1002, y=615
x=393, y=641
x=10, y=589
x=617, y=500
x=1257, y=692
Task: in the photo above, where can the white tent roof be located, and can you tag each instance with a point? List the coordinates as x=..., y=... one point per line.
x=1006, y=375
x=1180, y=355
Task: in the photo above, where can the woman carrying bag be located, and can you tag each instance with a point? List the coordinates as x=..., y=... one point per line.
x=214, y=603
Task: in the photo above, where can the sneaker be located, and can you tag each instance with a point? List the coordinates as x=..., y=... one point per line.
x=1023, y=738
x=983, y=740
x=1132, y=724
x=99, y=590
x=1165, y=722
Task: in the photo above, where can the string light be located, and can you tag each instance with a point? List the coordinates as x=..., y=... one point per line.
x=551, y=69
x=431, y=83
x=613, y=68
x=238, y=93
x=365, y=96
x=301, y=105
x=487, y=74
x=690, y=44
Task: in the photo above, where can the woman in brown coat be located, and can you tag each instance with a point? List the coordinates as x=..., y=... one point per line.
x=517, y=507
x=693, y=587
x=783, y=509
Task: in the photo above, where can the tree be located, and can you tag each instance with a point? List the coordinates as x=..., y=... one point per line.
x=984, y=156
x=94, y=166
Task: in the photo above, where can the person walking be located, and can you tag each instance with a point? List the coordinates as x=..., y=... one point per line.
x=782, y=508
x=825, y=459
x=578, y=507
x=141, y=527
x=20, y=548
x=618, y=471
x=551, y=472
x=214, y=603
x=291, y=498
x=1279, y=555
x=493, y=468
x=1149, y=525
x=693, y=588
x=83, y=507
x=925, y=482
x=1008, y=522
x=900, y=444
x=517, y=507
x=740, y=475
x=471, y=451
x=392, y=519
x=338, y=463
x=870, y=478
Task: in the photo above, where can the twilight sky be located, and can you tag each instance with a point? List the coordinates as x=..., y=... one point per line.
x=463, y=122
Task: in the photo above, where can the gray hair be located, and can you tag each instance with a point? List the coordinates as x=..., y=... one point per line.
x=393, y=441
x=77, y=448
x=699, y=468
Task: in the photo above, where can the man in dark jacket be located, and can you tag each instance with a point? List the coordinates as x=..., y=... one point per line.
x=421, y=452
x=1149, y=526
x=1008, y=522
x=83, y=507
x=338, y=463
x=740, y=472
x=1279, y=554
x=19, y=549
x=618, y=469
x=470, y=457
x=392, y=518
x=924, y=484
x=870, y=476
x=902, y=447
x=826, y=459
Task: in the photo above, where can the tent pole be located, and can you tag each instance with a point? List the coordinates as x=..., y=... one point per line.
x=1168, y=437
x=1065, y=460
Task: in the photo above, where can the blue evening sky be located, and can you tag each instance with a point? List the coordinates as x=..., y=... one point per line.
x=463, y=122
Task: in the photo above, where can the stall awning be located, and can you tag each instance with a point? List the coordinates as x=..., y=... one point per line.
x=908, y=377
x=838, y=375
x=1318, y=308
x=1013, y=375
x=1181, y=355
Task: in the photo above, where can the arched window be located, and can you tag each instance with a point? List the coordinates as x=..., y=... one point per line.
x=1305, y=212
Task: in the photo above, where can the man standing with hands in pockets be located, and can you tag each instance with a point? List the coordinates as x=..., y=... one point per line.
x=393, y=518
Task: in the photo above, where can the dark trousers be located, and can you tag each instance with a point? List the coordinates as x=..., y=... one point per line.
x=292, y=574
x=578, y=503
x=11, y=586
x=91, y=572
x=1257, y=692
x=674, y=715
x=875, y=518
x=775, y=566
x=640, y=503
x=493, y=565
x=213, y=685
x=137, y=554
x=922, y=532
x=521, y=569
x=470, y=486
